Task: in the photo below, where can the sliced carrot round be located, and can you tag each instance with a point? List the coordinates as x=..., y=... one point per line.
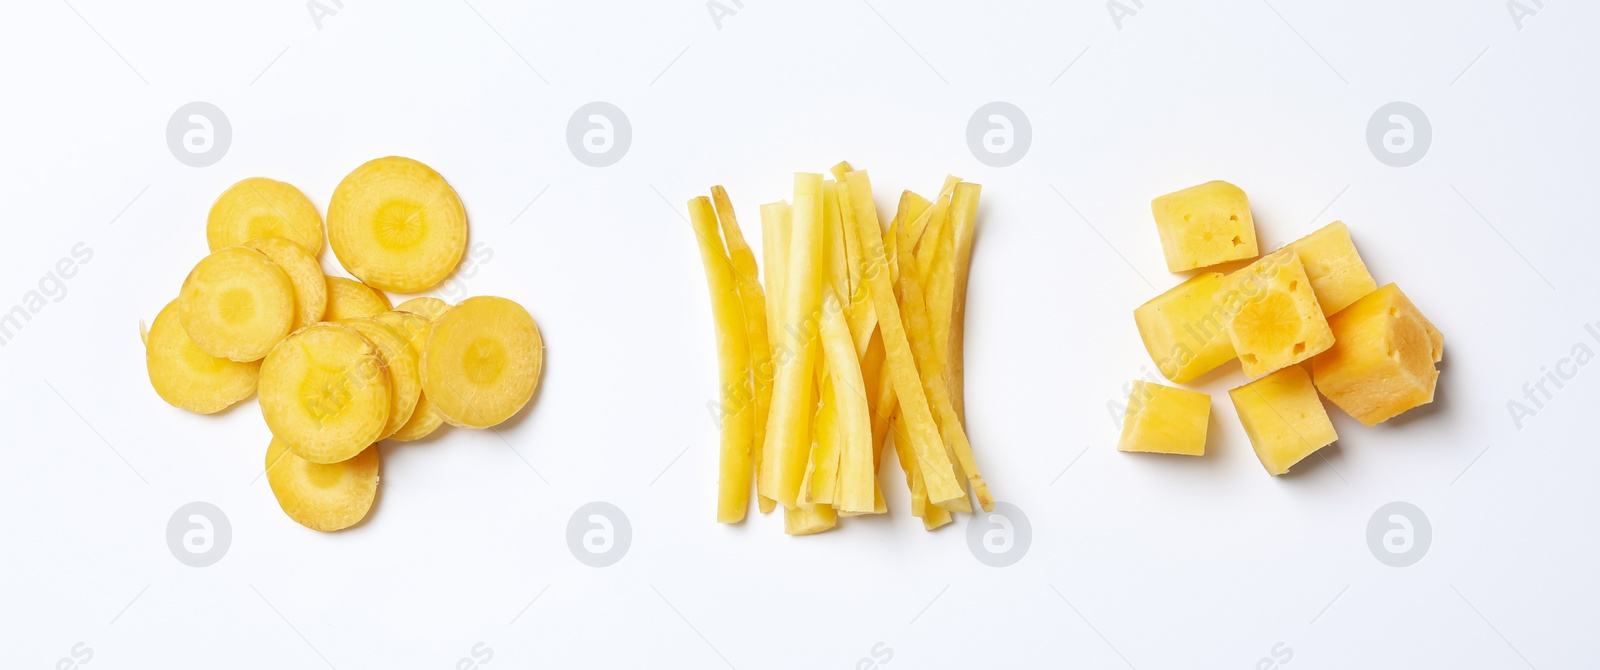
x=260, y=207
x=325, y=497
x=236, y=304
x=396, y=224
x=310, y=285
x=350, y=299
x=424, y=419
x=427, y=307
x=325, y=393
x=401, y=361
x=482, y=361
x=188, y=378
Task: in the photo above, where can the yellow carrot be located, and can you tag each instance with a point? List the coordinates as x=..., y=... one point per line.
x=933, y=516
x=908, y=465
x=964, y=215
x=941, y=204
x=754, y=302
x=855, y=466
x=788, y=438
x=733, y=354
x=931, y=366
x=863, y=321
x=913, y=401
x=774, y=252
x=837, y=268
x=806, y=519
x=822, y=468
x=936, y=262
x=775, y=228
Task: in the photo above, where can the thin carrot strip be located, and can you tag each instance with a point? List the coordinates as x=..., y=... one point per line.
x=754, y=301
x=775, y=227
x=931, y=365
x=964, y=215
x=926, y=442
x=788, y=436
x=855, y=473
x=733, y=355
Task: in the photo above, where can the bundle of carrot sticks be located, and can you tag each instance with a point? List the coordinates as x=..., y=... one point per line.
x=853, y=332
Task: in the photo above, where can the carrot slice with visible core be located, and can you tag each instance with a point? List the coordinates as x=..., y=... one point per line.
x=188, y=378
x=259, y=207
x=482, y=361
x=397, y=224
x=325, y=497
x=325, y=393
x=236, y=304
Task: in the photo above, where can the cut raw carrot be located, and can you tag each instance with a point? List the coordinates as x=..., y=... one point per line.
x=259, y=207
x=940, y=209
x=305, y=274
x=775, y=228
x=236, y=304
x=926, y=443
x=936, y=264
x=397, y=224
x=482, y=361
x=188, y=378
x=859, y=315
x=807, y=519
x=424, y=418
x=425, y=306
x=733, y=356
x=325, y=497
x=754, y=301
x=325, y=393
x=822, y=468
x=963, y=216
x=836, y=272
x=933, y=516
x=856, y=473
x=788, y=439
x=931, y=364
x=350, y=299
x=908, y=465
x=400, y=360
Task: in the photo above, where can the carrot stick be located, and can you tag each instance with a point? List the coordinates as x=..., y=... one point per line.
x=733, y=356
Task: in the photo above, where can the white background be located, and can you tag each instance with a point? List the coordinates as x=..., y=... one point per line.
x=1136, y=560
